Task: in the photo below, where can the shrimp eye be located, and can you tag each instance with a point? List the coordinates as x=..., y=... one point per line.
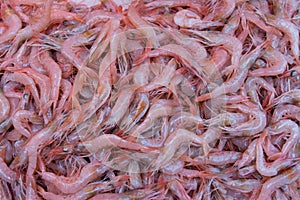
x=65, y=22
x=65, y=149
x=25, y=96
x=293, y=73
x=131, y=35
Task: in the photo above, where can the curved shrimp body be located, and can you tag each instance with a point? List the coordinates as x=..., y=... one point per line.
x=239, y=75
x=285, y=178
x=19, y=120
x=6, y=173
x=13, y=23
x=232, y=44
x=248, y=156
x=276, y=64
x=286, y=111
x=69, y=185
x=222, y=158
x=290, y=30
x=256, y=123
x=4, y=107
x=268, y=169
x=32, y=29
x=253, y=85
x=285, y=126
x=292, y=96
x=173, y=143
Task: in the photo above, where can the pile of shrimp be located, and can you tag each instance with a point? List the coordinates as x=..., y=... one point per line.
x=163, y=99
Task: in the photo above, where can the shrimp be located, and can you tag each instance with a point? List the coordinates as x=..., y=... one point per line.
x=223, y=11
x=179, y=191
x=173, y=143
x=213, y=38
x=6, y=173
x=163, y=79
x=237, y=79
x=4, y=107
x=285, y=126
x=135, y=174
x=289, y=29
x=256, y=123
x=67, y=50
x=242, y=185
x=219, y=158
x=108, y=140
x=13, y=23
x=97, y=16
x=183, y=117
x=34, y=60
x=32, y=29
x=66, y=88
x=60, y=15
x=19, y=120
x=253, y=85
x=284, y=178
x=55, y=74
x=25, y=80
x=248, y=156
x=292, y=96
x=287, y=111
x=189, y=19
x=276, y=64
x=268, y=169
x=69, y=185
x=121, y=105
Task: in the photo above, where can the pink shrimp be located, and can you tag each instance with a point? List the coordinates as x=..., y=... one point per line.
x=290, y=30
x=189, y=19
x=285, y=126
x=173, y=142
x=6, y=173
x=284, y=178
x=237, y=79
x=66, y=88
x=243, y=185
x=292, y=96
x=219, y=158
x=248, y=156
x=106, y=140
x=286, y=111
x=97, y=16
x=135, y=174
x=13, y=23
x=256, y=123
x=213, y=38
x=4, y=107
x=276, y=64
x=32, y=29
x=55, y=74
x=60, y=15
x=69, y=185
x=268, y=169
x=20, y=122
x=253, y=85
x=179, y=191
x=34, y=60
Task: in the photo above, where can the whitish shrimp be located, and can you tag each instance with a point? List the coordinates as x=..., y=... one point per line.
x=13, y=23
x=265, y=168
x=284, y=178
x=176, y=188
x=276, y=64
x=4, y=107
x=243, y=185
x=184, y=117
x=173, y=143
x=20, y=121
x=189, y=19
x=69, y=185
x=29, y=31
x=61, y=15
x=135, y=174
x=287, y=126
x=240, y=74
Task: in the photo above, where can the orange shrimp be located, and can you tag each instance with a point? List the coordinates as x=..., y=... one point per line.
x=32, y=29
x=13, y=23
